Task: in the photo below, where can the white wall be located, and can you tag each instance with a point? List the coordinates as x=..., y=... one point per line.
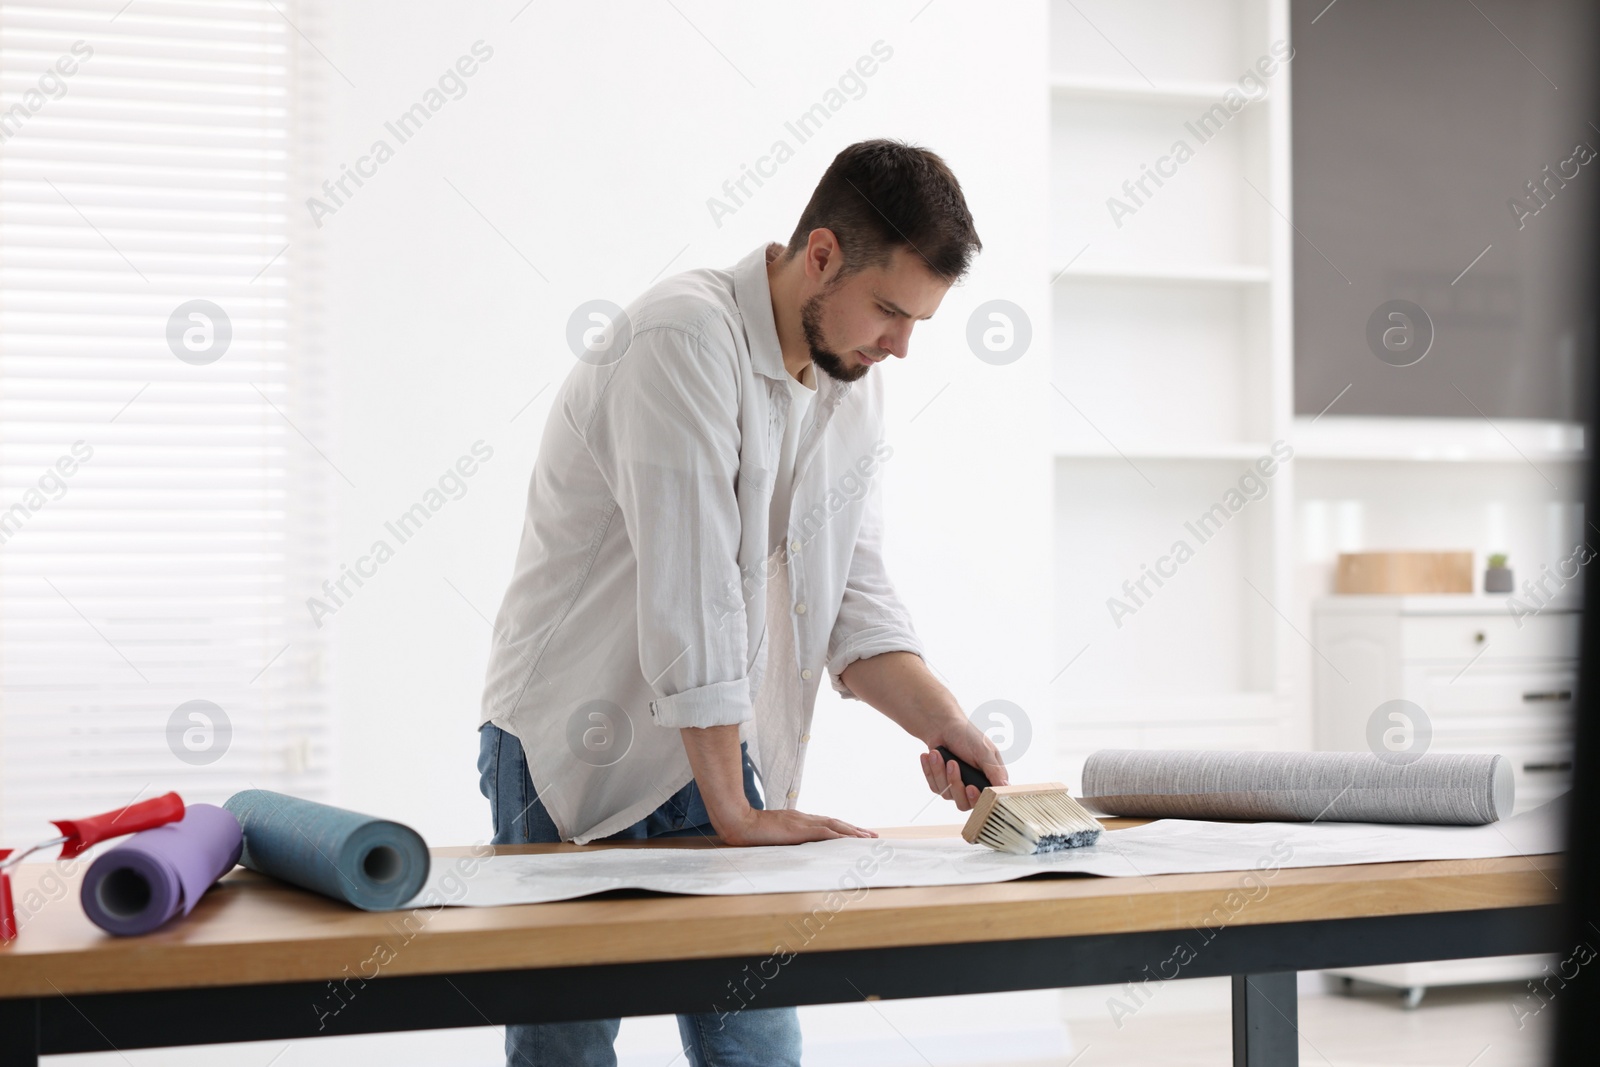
x=591, y=141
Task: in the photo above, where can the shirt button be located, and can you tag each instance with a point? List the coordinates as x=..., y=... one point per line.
x=806, y=674
x=794, y=546
x=804, y=738
x=799, y=609
x=792, y=794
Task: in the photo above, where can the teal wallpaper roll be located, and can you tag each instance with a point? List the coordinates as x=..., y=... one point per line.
x=375, y=864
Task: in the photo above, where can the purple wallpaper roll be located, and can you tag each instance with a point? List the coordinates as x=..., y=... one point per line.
x=141, y=883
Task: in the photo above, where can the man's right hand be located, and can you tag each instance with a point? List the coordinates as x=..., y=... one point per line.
x=755, y=826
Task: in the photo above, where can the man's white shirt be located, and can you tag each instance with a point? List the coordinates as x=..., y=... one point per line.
x=654, y=587
x=802, y=391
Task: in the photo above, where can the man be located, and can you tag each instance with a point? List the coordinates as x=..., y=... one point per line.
x=702, y=542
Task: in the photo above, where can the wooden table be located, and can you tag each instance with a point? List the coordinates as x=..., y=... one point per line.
x=260, y=960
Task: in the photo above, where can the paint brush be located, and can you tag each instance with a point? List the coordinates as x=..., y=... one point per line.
x=1024, y=819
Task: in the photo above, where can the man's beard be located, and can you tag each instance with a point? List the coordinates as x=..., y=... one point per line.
x=831, y=364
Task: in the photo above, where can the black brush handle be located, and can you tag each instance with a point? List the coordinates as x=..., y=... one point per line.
x=970, y=775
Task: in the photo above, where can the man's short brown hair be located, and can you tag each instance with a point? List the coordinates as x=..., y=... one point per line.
x=880, y=195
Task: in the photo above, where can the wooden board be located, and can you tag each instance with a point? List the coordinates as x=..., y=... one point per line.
x=252, y=929
x=1397, y=573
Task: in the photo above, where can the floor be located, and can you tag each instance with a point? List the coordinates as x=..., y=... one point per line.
x=1187, y=1026
x=1453, y=1027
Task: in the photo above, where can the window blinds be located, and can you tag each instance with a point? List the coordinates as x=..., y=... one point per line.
x=163, y=468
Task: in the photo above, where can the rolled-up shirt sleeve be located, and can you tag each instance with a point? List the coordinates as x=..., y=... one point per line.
x=871, y=619
x=665, y=436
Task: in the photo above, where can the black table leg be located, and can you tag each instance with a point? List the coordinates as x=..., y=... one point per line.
x=19, y=1033
x=1265, y=1020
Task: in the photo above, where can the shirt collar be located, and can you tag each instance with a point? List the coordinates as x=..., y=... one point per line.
x=753, y=295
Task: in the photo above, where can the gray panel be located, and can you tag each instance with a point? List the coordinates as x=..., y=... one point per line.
x=1417, y=128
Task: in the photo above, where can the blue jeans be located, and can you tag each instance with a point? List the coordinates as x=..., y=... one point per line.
x=768, y=1037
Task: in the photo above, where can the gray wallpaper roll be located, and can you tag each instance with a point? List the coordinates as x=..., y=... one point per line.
x=1438, y=788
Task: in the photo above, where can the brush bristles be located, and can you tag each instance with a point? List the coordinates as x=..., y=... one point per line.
x=1030, y=823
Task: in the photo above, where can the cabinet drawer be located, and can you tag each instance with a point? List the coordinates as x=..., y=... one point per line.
x=1493, y=637
x=1495, y=691
x=1542, y=771
x=1534, y=793
x=1497, y=735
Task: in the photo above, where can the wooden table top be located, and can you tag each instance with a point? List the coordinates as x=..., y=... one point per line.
x=250, y=928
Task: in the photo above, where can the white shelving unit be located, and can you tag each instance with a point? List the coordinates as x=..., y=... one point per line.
x=1158, y=272
x=1171, y=337
x=1123, y=89
x=1172, y=340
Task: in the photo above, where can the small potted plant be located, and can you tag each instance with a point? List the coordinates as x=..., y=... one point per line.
x=1498, y=578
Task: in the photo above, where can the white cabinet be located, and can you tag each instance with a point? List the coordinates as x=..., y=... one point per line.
x=1486, y=678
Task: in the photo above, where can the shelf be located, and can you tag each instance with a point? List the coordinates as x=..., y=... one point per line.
x=1412, y=604
x=1172, y=352
x=1441, y=455
x=1163, y=92
x=1226, y=273
x=1437, y=440
x=1194, y=710
x=1243, y=450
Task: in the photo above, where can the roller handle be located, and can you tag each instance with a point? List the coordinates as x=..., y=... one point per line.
x=82, y=833
x=970, y=775
x=8, y=913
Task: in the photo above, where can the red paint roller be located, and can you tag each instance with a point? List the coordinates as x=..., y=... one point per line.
x=77, y=835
